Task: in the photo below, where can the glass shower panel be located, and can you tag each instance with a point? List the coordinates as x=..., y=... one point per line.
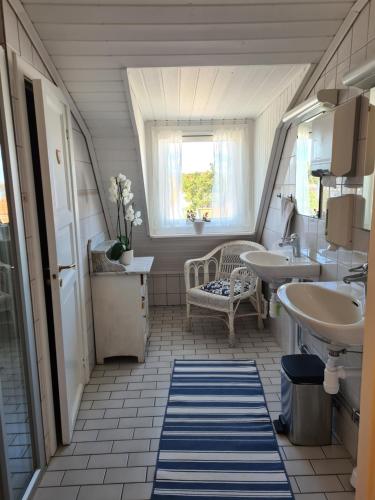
x=14, y=394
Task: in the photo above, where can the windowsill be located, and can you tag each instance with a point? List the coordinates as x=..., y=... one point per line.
x=248, y=234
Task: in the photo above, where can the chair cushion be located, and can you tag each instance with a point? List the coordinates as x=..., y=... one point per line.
x=222, y=287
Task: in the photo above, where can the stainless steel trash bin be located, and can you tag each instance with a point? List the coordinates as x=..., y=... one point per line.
x=306, y=408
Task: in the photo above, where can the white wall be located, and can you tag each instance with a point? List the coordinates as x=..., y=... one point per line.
x=91, y=221
x=264, y=132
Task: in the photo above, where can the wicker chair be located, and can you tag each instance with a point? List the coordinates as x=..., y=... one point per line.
x=232, y=284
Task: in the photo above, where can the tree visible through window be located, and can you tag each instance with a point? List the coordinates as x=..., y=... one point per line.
x=198, y=176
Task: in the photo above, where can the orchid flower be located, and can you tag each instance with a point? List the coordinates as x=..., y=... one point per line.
x=120, y=193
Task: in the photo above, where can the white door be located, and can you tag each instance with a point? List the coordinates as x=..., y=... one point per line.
x=58, y=179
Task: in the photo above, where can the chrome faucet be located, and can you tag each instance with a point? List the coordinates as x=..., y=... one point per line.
x=294, y=241
x=359, y=276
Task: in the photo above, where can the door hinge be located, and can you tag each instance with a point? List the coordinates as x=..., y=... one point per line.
x=67, y=134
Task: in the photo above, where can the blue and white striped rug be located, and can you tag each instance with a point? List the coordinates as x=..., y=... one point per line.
x=217, y=439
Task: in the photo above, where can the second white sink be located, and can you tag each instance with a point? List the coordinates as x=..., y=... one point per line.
x=327, y=311
x=274, y=267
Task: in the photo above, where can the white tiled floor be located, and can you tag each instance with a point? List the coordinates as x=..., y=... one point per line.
x=114, y=447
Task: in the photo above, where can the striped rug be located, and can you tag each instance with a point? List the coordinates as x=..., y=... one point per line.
x=217, y=439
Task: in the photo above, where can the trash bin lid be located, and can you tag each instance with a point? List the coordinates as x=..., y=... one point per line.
x=303, y=368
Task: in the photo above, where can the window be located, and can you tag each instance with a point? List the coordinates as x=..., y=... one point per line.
x=198, y=175
x=307, y=186
x=206, y=171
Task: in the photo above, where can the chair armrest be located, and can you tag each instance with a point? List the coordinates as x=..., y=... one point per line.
x=245, y=276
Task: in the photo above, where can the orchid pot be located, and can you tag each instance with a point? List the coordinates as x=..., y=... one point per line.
x=127, y=257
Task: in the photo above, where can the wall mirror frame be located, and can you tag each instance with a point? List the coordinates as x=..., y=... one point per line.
x=368, y=179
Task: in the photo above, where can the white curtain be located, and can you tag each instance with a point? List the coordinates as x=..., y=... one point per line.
x=231, y=200
x=167, y=202
x=231, y=190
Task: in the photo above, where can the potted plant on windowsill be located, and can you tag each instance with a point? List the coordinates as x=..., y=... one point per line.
x=198, y=224
x=127, y=218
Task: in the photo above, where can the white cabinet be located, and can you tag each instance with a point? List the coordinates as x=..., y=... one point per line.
x=334, y=140
x=120, y=304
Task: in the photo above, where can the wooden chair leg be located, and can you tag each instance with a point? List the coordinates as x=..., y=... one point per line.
x=232, y=340
x=188, y=318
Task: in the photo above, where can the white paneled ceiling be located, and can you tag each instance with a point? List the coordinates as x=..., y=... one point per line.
x=92, y=41
x=108, y=34
x=196, y=93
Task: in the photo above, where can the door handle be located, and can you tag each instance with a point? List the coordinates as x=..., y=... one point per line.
x=68, y=266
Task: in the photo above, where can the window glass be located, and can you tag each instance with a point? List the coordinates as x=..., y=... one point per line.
x=198, y=177
x=307, y=185
x=15, y=408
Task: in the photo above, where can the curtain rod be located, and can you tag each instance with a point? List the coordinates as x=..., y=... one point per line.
x=197, y=135
x=218, y=121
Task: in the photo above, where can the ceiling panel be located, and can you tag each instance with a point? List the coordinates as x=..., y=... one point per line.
x=91, y=40
x=222, y=58
x=183, y=14
x=196, y=93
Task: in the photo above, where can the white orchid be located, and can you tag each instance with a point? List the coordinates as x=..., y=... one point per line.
x=137, y=218
x=113, y=190
x=127, y=197
x=119, y=189
x=129, y=216
x=120, y=193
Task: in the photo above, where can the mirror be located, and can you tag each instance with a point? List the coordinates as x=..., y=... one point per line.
x=368, y=180
x=368, y=194
x=307, y=186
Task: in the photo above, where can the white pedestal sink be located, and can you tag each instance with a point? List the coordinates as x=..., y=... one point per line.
x=276, y=267
x=331, y=311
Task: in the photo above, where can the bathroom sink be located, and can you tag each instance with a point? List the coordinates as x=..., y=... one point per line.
x=330, y=311
x=276, y=267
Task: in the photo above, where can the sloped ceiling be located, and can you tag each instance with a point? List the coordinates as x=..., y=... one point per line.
x=219, y=92
x=107, y=34
x=92, y=41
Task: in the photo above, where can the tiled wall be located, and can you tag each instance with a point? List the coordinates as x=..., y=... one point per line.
x=334, y=264
x=166, y=289
x=358, y=46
